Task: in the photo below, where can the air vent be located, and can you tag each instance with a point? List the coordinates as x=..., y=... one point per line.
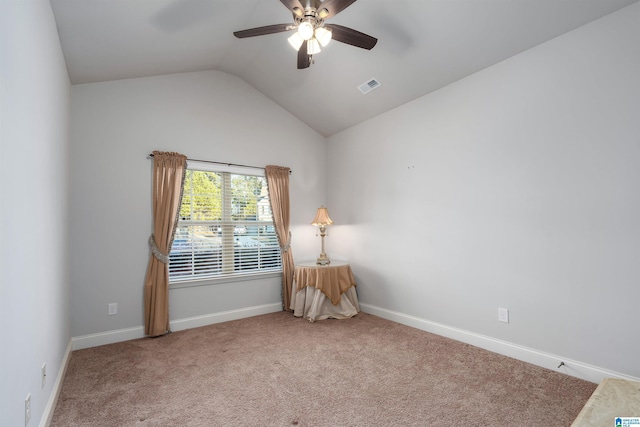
x=369, y=85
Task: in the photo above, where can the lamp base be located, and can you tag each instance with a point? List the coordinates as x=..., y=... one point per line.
x=323, y=261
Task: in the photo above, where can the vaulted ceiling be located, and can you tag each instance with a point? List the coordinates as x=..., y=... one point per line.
x=422, y=45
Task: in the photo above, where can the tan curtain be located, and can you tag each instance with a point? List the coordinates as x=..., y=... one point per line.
x=168, y=180
x=278, y=183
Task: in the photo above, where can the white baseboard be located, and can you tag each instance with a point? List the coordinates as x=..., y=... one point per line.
x=110, y=337
x=546, y=360
x=224, y=316
x=47, y=416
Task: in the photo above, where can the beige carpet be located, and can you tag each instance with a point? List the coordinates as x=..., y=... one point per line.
x=277, y=370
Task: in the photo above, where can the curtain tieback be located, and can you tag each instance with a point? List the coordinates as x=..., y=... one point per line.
x=286, y=247
x=163, y=258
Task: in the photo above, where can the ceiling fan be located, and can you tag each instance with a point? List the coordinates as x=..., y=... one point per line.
x=311, y=29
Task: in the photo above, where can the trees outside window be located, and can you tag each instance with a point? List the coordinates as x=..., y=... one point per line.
x=225, y=228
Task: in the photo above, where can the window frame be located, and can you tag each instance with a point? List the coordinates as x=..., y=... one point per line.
x=233, y=276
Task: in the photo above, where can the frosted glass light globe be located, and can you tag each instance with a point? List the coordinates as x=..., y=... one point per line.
x=295, y=41
x=313, y=47
x=323, y=36
x=305, y=30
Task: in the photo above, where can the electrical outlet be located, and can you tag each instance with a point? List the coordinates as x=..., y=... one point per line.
x=503, y=315
x=43, y=374
x=113, y=308
x=27, y=409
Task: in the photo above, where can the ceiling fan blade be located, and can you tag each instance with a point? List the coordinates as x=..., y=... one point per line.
x=329, y=8
x=351, y=36
x=261, y=31
x=303, y=58
x=294, y=6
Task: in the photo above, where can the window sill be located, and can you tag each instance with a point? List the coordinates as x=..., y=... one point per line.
x=190, y=283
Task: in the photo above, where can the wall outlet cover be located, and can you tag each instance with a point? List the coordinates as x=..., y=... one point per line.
x=27, y=409
x=113, y=308
x=43, y=374
x=503, y=315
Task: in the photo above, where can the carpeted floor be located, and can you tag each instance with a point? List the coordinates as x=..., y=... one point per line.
x=278, y=370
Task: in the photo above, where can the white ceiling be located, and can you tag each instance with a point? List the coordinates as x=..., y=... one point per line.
x=422, y=46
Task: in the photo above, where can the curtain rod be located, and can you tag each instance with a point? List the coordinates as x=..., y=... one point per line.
x=221, y=163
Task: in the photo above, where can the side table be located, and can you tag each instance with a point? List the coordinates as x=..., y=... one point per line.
x=324, y=291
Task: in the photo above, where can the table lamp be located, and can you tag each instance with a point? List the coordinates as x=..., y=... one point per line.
x=321, y=221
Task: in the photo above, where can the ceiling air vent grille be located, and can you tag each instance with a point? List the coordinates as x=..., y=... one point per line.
x=369, y=85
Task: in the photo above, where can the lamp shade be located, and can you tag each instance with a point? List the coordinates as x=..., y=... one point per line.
x=305, y=29
x=295, y=41
x=322, y=217
x=313, y=46
x=323, y=36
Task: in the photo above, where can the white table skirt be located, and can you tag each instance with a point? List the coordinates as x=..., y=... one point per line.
x=313, y=305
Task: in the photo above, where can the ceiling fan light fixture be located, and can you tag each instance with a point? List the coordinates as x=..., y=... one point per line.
x=323, y=36
x=305, y=29
x=313, y=47
x=310, y=30
x=295, y=41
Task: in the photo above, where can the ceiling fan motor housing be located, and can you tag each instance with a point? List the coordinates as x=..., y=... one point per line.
x=309, y=15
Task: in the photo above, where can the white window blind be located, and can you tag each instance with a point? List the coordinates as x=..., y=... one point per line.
x=225, y=227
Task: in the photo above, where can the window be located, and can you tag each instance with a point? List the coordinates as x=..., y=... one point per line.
x=225, y=227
